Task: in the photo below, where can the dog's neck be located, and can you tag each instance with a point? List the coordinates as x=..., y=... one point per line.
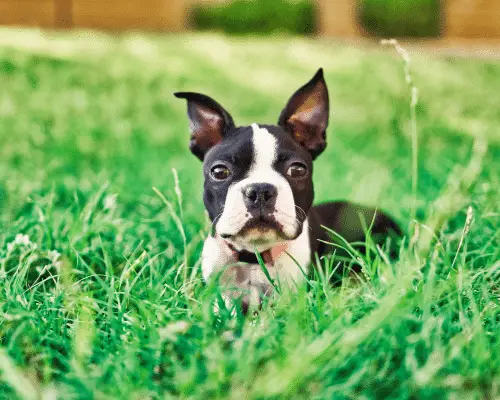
x=267, y=256
x=282, y=260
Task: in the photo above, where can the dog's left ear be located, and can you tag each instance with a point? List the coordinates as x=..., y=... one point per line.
x=208, y=122
x=306, y=115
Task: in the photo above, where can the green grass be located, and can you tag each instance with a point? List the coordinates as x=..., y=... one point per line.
x=103, y=297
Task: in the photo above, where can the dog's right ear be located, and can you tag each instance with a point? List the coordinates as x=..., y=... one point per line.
x=208, y=122
x=305, y=116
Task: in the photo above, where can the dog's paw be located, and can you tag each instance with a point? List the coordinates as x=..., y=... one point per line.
x=247, y=301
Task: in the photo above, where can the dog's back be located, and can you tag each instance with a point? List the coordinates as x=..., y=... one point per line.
x=351, y=222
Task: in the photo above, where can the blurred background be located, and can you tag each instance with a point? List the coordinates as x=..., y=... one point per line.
x=352, y=18
x=87, y=90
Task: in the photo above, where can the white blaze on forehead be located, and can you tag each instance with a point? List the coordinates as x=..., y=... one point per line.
x=264, y=147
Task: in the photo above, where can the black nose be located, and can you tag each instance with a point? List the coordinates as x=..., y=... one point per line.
x=259, y=195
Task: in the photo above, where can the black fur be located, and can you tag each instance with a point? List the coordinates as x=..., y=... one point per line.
x=236, y=151
x=350, y=221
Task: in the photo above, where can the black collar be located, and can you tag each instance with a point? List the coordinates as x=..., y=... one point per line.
x=249, y=257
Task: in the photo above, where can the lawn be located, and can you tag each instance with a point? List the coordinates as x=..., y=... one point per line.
x=101, y=293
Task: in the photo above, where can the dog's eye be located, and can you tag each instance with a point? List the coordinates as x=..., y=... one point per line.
x=220, y=172
x=297, y=170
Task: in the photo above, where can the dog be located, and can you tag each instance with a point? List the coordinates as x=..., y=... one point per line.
x=259, y=193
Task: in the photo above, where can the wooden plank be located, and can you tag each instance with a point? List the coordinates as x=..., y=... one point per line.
x=338, y=18
x=472, y=18
x=168, y=15
x=27, y=13
x=63, y=13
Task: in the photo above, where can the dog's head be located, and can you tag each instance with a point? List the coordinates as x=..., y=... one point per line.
x=258, y=179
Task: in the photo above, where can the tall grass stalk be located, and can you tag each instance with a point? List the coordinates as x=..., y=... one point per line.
x=401, y=51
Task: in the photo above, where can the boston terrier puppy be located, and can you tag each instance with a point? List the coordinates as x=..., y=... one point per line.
x=258, y=192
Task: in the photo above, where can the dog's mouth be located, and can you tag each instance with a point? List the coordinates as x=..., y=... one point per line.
x=262, y=224
x=259, y=229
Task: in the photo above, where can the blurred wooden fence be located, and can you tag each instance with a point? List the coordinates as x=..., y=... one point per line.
x=168, y=15
x=462, y=18
x=478, y=19
x=472, y=18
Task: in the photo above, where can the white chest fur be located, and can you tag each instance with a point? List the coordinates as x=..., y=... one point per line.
x=289, y=269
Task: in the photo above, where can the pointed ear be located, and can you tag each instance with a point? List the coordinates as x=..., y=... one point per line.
x=208, y=122
x=306, y=115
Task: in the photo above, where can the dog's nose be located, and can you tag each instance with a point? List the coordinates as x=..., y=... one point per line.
x=258, y=195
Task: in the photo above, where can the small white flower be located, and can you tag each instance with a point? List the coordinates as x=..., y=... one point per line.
x=54, y=255
x=110, y=202
x=22, y=239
